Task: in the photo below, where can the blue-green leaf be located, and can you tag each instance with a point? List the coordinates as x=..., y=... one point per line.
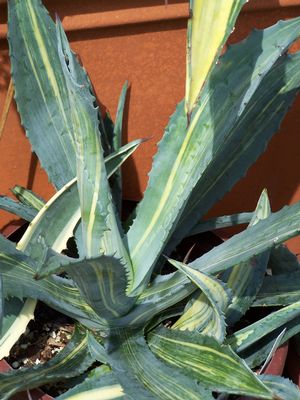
x=277, y=228
x=282, y=388
x=74, y=359
x=21, y=210
x=40, y=85
x=245, y=279
x=279, y=290
x=215, y=366
x=206, y=313
x=100, y=226
x=143, y=376
x=204, y=159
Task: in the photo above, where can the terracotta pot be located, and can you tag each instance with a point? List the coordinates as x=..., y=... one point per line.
x=276, y=365
x=292, y=369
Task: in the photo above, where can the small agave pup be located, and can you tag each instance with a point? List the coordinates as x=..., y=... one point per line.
x=117, y=287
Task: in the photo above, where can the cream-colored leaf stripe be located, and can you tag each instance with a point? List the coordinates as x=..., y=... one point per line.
x=207, y=312
x=105, y=393
x=17, y=328
x=204, y=359
x=170, y=183
x=207, y=30
x=41, y=214
x=52, y=82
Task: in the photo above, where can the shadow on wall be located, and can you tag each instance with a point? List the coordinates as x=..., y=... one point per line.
x=273, y=170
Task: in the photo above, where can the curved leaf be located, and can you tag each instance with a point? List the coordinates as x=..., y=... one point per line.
x=17, y=315
x=71, y=361
x=277, y=228
x=258, y=77
x=100, y=226
x=143, y=376
x=102, y=283
x=27, y=197
x=216, y=366
x=282, y=388
x=18, y=272
x=21, y=210
x=57, y=219
x=40, y=85
x=101, y=384
x=245, y=337
x=245, y=279
x=255, y=354
x=221, y=222
x=206, y=314
x=117, y=143
x=215, y=150
x=279, y=290
x=210, y=24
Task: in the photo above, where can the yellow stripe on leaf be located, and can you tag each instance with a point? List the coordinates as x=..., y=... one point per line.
x=208, y=29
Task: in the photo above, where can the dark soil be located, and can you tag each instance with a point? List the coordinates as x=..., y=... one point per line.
x=45, y=336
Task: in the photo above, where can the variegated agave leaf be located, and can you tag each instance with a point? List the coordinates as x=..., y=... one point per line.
x=74, y=359
x=100, y=225
x=215, y=366
x=210, y=24
x=206, y=314
x=205, y=158
x=16, y=315
x=245, y=279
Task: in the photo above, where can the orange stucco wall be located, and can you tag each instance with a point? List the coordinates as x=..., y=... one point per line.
x=144, y=42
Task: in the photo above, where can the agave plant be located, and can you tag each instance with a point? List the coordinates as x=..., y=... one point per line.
x=118, y=287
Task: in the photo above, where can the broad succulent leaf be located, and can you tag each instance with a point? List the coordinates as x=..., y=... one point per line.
x=210, y=24
x=100, y=384
x=256, y=354
x=221, y=222
x=206, y=314
x=40, y=85
x=164, y=292
x=58, y=218
x=130, y=358
x=281, y=387
x=71, y=361
x=18, y=272
x=27, y=197
x=96, y=348
x=55, y=221
x=279, y=290
x=102, y=283
x=217, y=144
x=245, y=279
x=277, y=228
x=239, y=129
x=115, y=159
x=163, y=286
x=215, y=366
x=16, y=316
x=117, y=143
x=245, y=337
x=21, y=210
x=100, y=226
